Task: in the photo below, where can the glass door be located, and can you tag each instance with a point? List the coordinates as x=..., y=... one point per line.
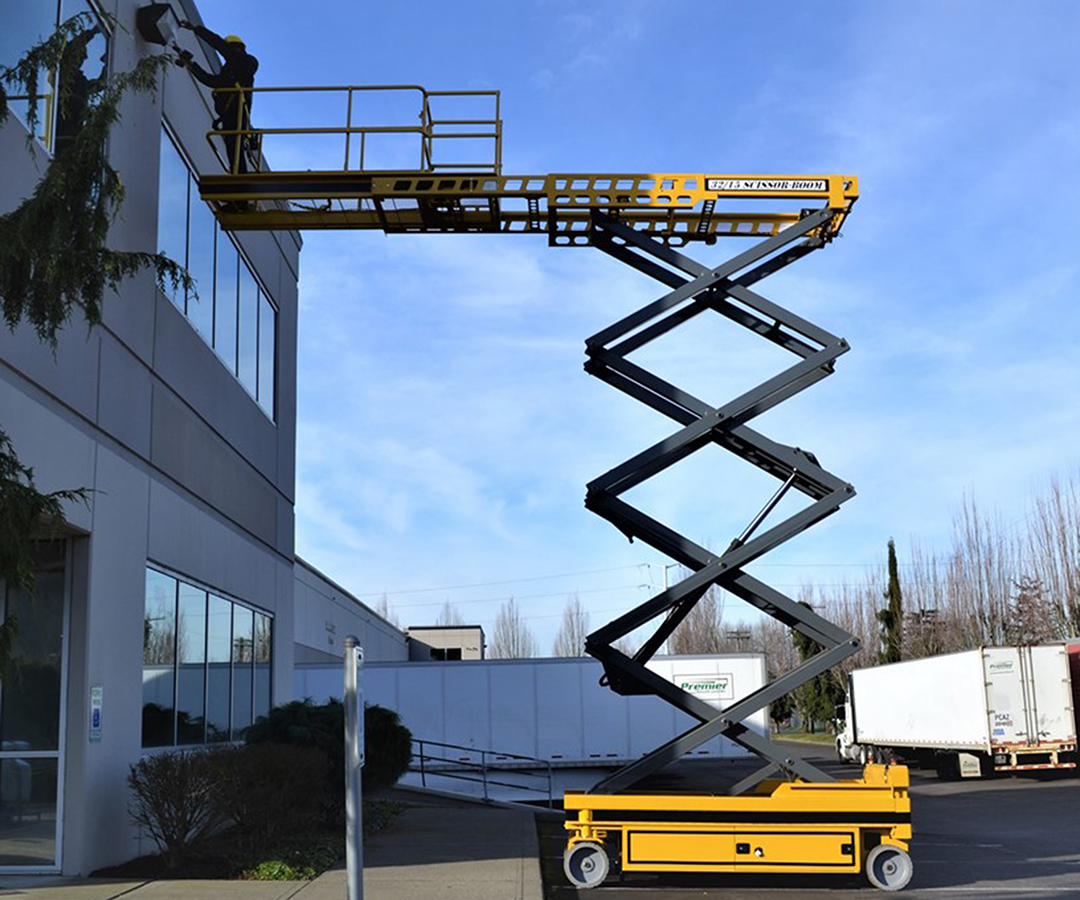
x=31, y=716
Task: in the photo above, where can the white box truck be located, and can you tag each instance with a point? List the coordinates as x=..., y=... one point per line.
x=966, y=714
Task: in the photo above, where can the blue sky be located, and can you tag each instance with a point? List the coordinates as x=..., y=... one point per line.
x=445, y=426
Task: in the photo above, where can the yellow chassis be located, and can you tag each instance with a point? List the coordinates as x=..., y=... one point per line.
x=794, y=827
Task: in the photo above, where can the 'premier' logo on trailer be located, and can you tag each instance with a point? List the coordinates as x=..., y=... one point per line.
x=718, y=687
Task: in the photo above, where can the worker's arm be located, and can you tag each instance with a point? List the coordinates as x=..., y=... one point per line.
x=214, y=40
x=210, y=79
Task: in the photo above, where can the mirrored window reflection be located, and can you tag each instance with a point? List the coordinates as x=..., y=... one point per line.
x=227, y=307
x=243, y=657
x=24, y=25
x=228, y=275
x=202, y=231
x=206, y=664
x=191, y=665
x=173, y=182
x=249, y=324
x=218, y=655
x=267, y=328
x=30, y=695
x=159, y=659
x=262, y=665
x=28, y=811
x=82, y=69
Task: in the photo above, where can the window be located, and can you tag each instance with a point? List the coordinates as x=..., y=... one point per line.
x=26, y=24
x=206, y=664
x=228, y=308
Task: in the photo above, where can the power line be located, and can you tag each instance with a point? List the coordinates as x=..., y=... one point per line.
x=479, y=584
x=515, y=597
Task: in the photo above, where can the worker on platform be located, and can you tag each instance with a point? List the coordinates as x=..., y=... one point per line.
x=237, y=76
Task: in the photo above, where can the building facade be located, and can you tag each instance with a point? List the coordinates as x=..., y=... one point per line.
x=172, y=611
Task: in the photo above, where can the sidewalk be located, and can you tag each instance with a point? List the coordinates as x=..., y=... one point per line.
x=439, y=848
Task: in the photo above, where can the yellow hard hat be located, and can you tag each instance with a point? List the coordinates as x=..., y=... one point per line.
x=234, y=39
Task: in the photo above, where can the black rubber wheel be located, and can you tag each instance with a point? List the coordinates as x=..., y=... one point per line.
x=585, y=864
x=889, y=868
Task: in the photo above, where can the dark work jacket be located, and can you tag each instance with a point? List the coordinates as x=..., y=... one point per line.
x=238, y=69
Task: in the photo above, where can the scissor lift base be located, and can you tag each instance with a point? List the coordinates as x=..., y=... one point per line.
x=782, y=827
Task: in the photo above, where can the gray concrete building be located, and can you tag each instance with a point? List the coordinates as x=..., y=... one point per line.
x=173, y=610
x=446, y=642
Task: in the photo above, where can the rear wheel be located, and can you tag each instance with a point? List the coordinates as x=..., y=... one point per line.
x=888, y=868
x=585, y=864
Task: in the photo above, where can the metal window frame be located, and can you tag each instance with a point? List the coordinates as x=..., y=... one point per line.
x=209, y=591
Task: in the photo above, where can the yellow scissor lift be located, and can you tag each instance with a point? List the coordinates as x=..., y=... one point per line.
x=788, y=817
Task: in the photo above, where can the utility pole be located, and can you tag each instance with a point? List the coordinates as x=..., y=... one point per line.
x=740, y=637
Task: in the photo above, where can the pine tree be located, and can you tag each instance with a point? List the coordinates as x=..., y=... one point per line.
x=54, y=259
x=892, y=616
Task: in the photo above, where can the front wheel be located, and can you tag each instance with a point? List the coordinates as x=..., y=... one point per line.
x=888, y=868
x=585, y=864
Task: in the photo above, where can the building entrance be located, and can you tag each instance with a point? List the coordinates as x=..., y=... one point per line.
x=31, y=713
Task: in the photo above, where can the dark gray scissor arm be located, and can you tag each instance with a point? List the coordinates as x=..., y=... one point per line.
x=725, y=290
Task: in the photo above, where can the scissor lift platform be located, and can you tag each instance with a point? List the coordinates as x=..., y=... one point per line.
x=809, y=822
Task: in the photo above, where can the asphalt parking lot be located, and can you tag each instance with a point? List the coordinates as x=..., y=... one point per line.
x=1013, y=838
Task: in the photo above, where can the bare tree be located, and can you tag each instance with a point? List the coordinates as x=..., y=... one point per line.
x=384, y=610
x=449, y=617
x=512, y=638
x=574, y=628
x=701, y=631
x=1030, y=617
x=1055, y=552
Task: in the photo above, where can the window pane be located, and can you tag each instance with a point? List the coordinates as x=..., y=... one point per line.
x=243, y=657
x=159, y=657
x=28, y=812
x=25, y=24
x=249, y=306
x=30, y=707
x=91, y=61
x=267, y=328
x=218, y=643
x=191, y=676
x=263, y=634
x=172, y=210
x=200, y=301
x=228, y=274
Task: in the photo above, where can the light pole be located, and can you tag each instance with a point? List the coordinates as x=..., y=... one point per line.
x=354, y=763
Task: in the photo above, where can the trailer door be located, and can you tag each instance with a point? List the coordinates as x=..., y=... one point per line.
x=1052, y=694
x=1008, y=686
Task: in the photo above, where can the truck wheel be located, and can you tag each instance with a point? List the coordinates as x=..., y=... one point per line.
x=888, y=868
x=585, y=864
x=947, y=766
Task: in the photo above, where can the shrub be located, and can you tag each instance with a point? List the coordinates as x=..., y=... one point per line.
x=176, y=800
x=387, y=747
x=270, y=790
x=387, y=743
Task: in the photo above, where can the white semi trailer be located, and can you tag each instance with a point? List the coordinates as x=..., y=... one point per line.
x=966, y=714
x=549, y=709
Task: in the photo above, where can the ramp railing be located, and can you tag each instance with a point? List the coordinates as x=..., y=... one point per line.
x=486, y=768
